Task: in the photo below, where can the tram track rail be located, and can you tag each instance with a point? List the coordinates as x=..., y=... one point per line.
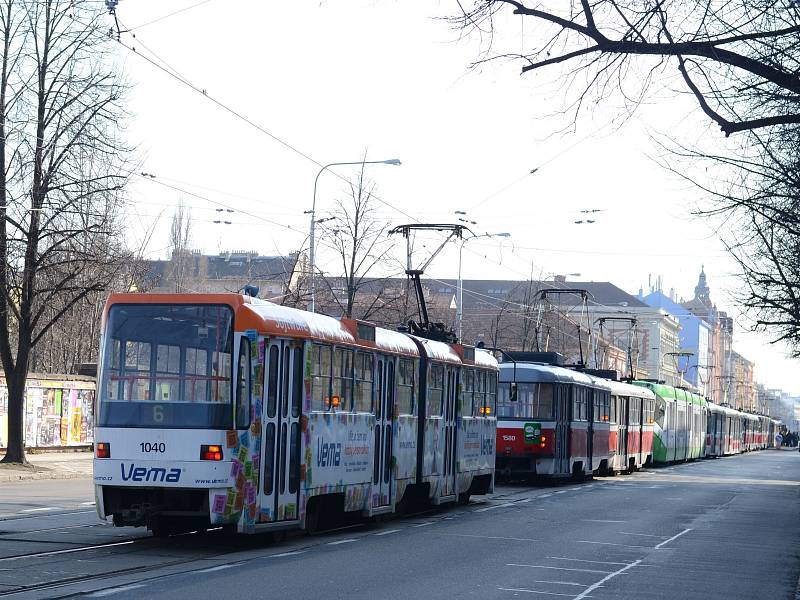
x=66, y=584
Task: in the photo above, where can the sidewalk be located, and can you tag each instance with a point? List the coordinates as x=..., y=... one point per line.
x=50, y=465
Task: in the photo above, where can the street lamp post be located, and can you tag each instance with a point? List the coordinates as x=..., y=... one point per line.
x=460, y=286
x=311, y=282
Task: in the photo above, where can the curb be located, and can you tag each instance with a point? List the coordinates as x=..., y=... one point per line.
x=42, y=476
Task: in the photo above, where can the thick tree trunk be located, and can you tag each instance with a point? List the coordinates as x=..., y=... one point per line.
x=15, y=453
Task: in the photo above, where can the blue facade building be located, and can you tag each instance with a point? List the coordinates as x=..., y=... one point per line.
x=694, y=337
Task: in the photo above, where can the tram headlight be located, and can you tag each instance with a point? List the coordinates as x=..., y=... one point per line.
x=212, y=452
x=102, y=450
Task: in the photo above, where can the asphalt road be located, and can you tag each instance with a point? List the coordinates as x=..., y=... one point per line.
x=724, y=529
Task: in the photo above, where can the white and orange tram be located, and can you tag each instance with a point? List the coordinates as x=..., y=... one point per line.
x=225, y=410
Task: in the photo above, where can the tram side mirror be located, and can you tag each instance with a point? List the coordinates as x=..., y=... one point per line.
x=513, y=392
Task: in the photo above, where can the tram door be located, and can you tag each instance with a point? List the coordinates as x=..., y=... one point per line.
x=622, y=435
x=563, y=404
x=280, y=459
x=591, y=403
x=449, y=426
x=384, y=410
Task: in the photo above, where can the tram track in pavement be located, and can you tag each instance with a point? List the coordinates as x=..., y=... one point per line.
x=506, y=498
x=238, y=546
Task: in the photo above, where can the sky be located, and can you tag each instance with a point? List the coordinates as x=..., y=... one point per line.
x=235, y=106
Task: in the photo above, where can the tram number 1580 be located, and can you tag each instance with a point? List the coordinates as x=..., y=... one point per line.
x=157, y=447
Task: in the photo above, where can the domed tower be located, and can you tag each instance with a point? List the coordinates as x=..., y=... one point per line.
x=701, y=291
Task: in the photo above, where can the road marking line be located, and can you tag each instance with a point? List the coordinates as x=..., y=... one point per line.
x=219, y=567
x=544, y=495
x=561, y=583
x=282, y=554
x=674, y=537
x=643, y=535
x=532, y=592
x=46, y=508
x=507, y=504
x=560, y=492
x=594, y=586
x=423, y=524
x=87, y=503
x=491, y=537
x=613, y=544
x=601, y=521
x=387, y=532
x=345, y=541
x=597, y=562
x=116, y=590
x=556, y=568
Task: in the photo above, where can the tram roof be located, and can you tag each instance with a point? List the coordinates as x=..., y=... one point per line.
x=669, y=392
x=621, y=388
x=273, y=319
x=542, y=373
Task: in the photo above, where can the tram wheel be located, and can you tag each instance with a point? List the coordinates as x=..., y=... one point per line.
x=463, y=498
x=161, y=528
x=313, y=515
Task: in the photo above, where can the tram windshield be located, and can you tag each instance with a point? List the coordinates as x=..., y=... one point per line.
x=167, y=366
x=525, y=401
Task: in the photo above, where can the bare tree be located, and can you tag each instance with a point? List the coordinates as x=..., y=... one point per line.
x=739, y=59
x=180, y=237
x=755, y=196
x=361, y=245
x=61, y=174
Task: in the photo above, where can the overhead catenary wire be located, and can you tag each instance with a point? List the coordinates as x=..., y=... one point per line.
x=168, y=15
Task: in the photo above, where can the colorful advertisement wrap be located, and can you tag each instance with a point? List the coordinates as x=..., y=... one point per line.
x=58, y=412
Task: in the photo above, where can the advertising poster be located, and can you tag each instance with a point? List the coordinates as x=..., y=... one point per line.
x=58, y=412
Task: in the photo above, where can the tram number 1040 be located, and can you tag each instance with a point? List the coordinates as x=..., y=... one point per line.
x=157, y=447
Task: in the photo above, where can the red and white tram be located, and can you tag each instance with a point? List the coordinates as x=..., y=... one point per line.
x=226, y=410
x=545, y=420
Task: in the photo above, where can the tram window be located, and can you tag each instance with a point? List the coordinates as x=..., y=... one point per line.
x=112, y=374
x=220, y=382
x=285, y=384
x=389, y=388
x=297, y=379
x=405, y=387
x=137, y=371
x=479, y=396
x=242, y=418
x=167, y=366
x=491, y=394
x=196, y=369
x=342, y=379
x=363, y=391
x=294, y=458
x=467, y=392
x=435, y=390
x=612, y=414
x=660, y=411
x=597, y=415
x=269, y=459
x=272, y=380
x=533, y=401
x=168, y=369
x=505, y=406
x=320, y=377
